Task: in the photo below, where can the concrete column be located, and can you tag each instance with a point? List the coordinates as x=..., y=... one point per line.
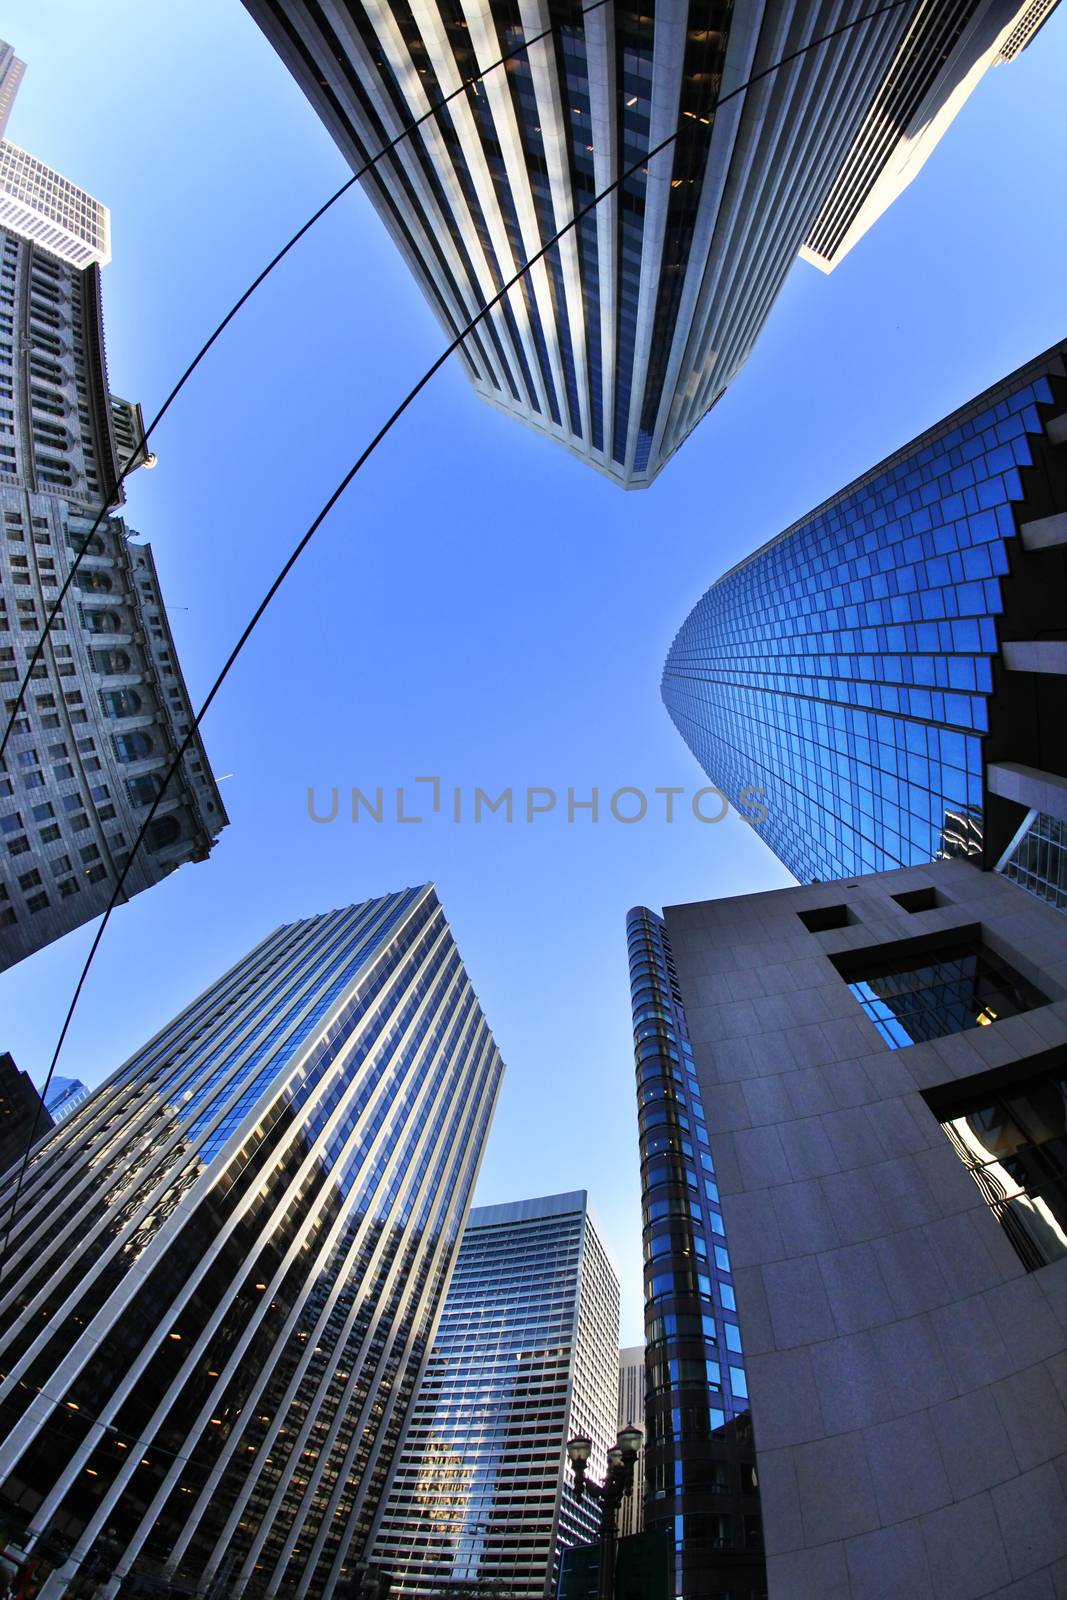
x=1044, y=532
x=55, y=1585
x=1035, y=655
x=1029, y=786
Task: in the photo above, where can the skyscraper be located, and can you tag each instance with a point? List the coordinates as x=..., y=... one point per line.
x=525, y=1359
x=107, y=707
x=884, y=1067
x=11, y=71
x=227, y=1265
x=63, y=1095
x=21, y=1113
x=632, y=1409
x=945, y=53
x=40, y=204
x=891, y=670
x=700, y=1477
x=619, y=341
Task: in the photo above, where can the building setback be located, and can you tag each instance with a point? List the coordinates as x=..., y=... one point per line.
x=699, y=1461
x=22, y=1116
x=525, y=1359
x=891, y=671
x=226, y=1266
x=626, y=333
x=884, y=1068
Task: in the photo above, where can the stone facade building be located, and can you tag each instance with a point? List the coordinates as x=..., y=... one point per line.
x=883, y=1063
x=107, y=705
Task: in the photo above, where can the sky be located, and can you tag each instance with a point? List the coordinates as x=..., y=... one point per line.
x=480, y=606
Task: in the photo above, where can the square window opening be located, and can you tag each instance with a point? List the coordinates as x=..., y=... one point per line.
x=1009, y=1128
x=916, y=990
x=915, y=900
x=821, y=919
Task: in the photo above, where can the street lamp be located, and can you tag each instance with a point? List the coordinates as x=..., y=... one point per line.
x=617, y=1484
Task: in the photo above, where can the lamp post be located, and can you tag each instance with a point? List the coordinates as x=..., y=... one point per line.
x=619, y=1482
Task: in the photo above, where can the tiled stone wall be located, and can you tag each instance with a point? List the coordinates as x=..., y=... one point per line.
x=908, y=1375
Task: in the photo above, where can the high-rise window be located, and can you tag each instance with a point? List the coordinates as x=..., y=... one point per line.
x=1012, y=1138
x=925, y=991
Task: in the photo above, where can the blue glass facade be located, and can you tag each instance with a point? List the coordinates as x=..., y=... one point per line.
x=227, y=1264
x=522, y=1362
x=1039, y=861
x=849, y=669
x=700, y=1478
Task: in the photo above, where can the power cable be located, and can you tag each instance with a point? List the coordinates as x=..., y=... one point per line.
x=309, y=534
x=138, y=455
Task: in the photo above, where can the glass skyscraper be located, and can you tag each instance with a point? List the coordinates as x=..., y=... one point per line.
x=891, y=672
x=700, y=1474
x=626, y=333
x=526, y=1357
x=63, y=1095
x=226, y=1266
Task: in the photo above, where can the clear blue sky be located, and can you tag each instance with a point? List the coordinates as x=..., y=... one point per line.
x=480, y=605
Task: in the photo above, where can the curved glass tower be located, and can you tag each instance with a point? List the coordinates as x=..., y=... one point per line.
x=226, y=1266
x=890, y=671
x=700, y=1474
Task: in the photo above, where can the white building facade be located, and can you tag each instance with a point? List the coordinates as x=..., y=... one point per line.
x=620, y=339
x=11, y=71
x=40, y=204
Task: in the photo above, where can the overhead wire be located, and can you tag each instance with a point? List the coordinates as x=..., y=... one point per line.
x=332, y=500
x=15, y=707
